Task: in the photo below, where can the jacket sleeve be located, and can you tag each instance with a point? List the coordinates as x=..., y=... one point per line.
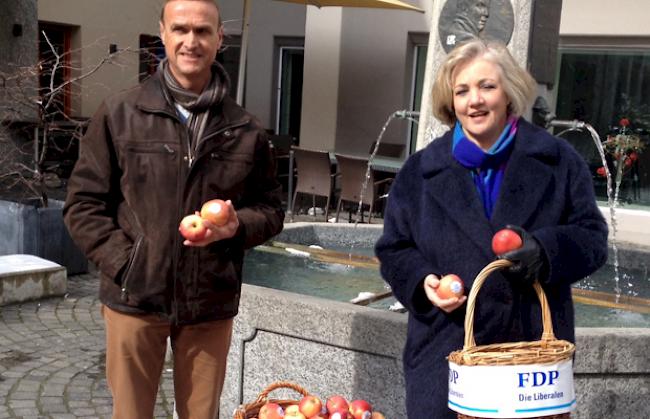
x=403, y=265
x=577, y=247
x=260, y=214
x=93, y=197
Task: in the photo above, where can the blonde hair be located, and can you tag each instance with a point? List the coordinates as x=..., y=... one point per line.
x=520, y=87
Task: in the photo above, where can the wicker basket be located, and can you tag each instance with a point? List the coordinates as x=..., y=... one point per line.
x=250, y=410
x=548, y=350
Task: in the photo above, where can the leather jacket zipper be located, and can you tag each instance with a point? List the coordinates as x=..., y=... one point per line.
x=129, y=267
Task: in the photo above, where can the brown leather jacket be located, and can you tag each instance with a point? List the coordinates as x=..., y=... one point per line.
x=135, y=180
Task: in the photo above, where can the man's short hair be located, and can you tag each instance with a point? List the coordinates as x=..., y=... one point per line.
x=162, y=11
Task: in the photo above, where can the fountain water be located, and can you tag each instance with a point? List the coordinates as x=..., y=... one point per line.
x=403, y=114
x=612, y=192
x=365, y=297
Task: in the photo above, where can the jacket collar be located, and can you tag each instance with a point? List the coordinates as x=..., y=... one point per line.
x=528, y=144
x=529, y=171
x=151, y=99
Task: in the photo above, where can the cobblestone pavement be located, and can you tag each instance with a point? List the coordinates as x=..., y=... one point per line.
x=52, y=357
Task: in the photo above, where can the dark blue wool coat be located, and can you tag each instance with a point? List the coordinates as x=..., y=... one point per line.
x=435, y=223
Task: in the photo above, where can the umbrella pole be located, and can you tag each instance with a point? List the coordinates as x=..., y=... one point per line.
x=243, y=52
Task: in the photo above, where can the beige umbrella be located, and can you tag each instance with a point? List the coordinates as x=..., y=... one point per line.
x=376, y=4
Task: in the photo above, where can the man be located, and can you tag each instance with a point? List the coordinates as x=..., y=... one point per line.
x=151, y=155
x=471, y=18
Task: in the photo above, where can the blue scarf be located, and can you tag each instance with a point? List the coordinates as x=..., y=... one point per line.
x=487, y=168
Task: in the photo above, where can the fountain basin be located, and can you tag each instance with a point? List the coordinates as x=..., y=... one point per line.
x=332, y=347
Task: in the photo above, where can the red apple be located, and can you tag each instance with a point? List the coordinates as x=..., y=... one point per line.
x=339, y=414
x=337, y=403
x=377, y=415
x=310, y=406
x=360, y=409
x=216, y=211
x=293, y=411
x=271, y=411
x=505, y=240
x=450, y=286
x=192, y=228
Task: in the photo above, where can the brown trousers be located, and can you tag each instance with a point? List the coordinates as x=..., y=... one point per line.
x=135, y=354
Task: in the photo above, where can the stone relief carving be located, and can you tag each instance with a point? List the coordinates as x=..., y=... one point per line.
x=461, y=20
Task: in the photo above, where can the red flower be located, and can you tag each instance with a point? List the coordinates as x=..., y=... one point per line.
x=633, y=156
x=627, y=162
x=624, y=122
x=601, y=171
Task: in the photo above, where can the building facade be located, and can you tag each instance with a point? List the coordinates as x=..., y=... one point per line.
x=332, y=76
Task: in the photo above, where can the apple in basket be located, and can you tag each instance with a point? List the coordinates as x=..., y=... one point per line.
x=310, y=406
x=216, y=211
x=505, y=240
x=271, y=411
x=340, y=414
x=450, y=286
x=293, y=412
x=337, y=403
x=360, y=409
x=192, y=228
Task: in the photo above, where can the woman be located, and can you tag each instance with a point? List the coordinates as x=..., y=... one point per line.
x=491, y=170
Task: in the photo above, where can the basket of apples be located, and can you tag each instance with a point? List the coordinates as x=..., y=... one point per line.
x=527, y=379
x=307, y=407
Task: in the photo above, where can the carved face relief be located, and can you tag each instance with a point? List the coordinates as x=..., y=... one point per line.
x=461, y=20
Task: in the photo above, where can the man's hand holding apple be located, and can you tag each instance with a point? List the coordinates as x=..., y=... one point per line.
x=431, y=285
x=217, y=232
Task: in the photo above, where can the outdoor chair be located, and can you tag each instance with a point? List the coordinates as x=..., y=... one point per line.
x=388, y=149
x=314, y=176
x=353, y=175
x=281, y=145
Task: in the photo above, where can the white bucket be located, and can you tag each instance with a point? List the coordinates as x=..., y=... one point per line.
x=511, y=391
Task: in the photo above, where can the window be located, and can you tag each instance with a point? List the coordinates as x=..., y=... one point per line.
x=152, y=51
x=289, y=89
x=420, y=48
x=601, y=85
x=228, y=57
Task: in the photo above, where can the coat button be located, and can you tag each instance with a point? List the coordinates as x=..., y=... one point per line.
x=227, y=133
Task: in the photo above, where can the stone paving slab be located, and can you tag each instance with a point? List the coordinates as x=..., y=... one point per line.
x=52, y=358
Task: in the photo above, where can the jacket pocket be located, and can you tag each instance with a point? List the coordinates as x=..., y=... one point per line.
x=156, y=148
x=227, y=173
x=129, y=269
x=149, y=176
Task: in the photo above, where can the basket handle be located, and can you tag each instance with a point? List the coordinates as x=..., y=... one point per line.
x=547, y=323
x=264, y=395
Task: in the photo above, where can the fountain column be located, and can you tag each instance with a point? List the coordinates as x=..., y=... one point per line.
x=529, y=28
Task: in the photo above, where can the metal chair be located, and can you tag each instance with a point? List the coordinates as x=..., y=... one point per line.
x=314, y=176
x=353, y=175
x=388, y=149
x=281, y=145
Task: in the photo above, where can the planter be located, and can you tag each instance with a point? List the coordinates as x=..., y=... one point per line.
x=28, y=228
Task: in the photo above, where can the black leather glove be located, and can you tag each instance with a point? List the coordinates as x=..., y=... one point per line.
x=529, y=261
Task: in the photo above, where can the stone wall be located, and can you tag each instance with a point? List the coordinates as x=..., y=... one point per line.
x=19, y=45
x=331, y=347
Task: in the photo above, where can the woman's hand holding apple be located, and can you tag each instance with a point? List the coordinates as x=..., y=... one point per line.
x=217, y=232
x=431, y=285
